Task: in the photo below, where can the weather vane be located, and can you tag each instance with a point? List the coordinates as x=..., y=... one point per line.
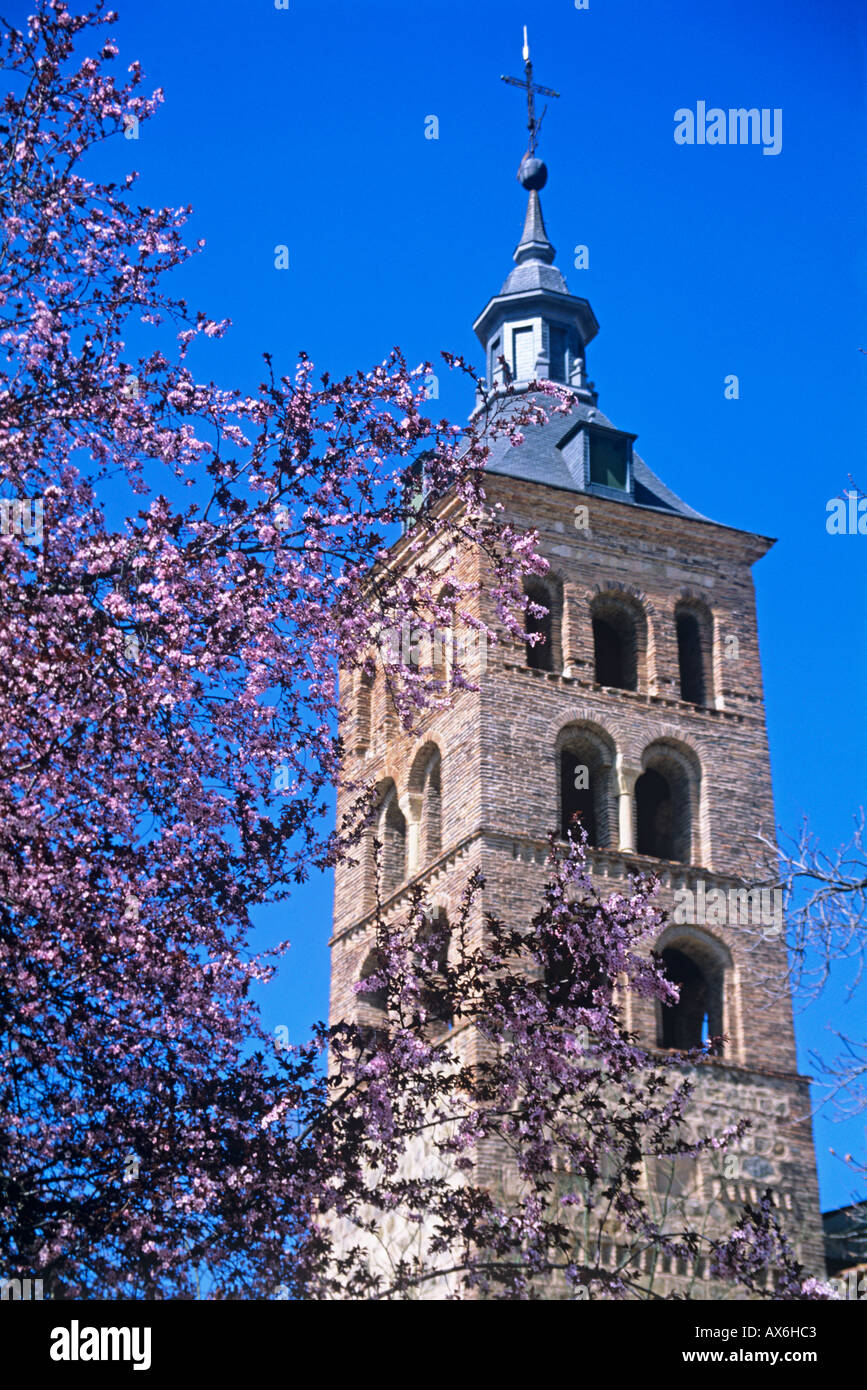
x=531, y=88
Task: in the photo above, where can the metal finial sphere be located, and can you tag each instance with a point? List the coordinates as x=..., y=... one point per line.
x=533, y=173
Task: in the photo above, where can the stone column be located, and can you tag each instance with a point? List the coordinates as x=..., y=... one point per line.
x=625, y=778
x=411, y=806
x=570, y=635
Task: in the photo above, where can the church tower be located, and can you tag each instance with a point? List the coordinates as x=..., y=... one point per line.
x=641, y=712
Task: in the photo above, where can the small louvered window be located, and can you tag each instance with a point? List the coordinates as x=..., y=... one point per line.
x=558, y=351
x=524, y=357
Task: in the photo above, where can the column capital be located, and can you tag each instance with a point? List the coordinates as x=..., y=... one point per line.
x=625, y=775
x=411, y=804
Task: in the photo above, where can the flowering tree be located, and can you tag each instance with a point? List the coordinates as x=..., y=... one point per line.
x=825, y=909
x=507, y=1053
x=155, y=676
x=824, y=895
x=158, y=675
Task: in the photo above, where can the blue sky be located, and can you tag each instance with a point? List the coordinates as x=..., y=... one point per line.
x=305, y=127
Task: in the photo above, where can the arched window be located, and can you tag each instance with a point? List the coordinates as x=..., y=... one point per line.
x=689, y=659
x=611, y=656
x=577, y=802
x=375, y=999
x=540, y=655
x=442, y=639
x=389, y=714
x=666, y=803
x=655, y=815
x=425, y=802
x=619, y=641
x=559, y=977
x=564, y=988
x=431, y=824
x=696, y=1020
x=585, y=784
x=694, y=628
x=364, y=700
x=435, y=941
x=392, y=833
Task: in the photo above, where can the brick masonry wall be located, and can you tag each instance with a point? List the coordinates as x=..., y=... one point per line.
x=500, y=793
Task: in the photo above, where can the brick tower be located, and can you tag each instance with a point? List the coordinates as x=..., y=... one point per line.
x=643, y=712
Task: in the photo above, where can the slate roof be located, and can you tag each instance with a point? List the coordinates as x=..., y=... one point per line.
x=534, y=255
x=551, y=454
x=541, y=459
x=533, y=275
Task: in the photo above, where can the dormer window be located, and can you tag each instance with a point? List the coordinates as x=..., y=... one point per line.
x=609, y=459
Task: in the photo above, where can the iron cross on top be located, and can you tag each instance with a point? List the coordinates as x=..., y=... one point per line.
x=531, y=88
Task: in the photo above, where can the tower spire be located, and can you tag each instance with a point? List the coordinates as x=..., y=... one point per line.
x=534, y=244
x=534, y=323
x=531, y=88
x=532, y=174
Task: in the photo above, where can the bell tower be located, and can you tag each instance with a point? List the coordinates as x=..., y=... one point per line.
x=640, y=712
